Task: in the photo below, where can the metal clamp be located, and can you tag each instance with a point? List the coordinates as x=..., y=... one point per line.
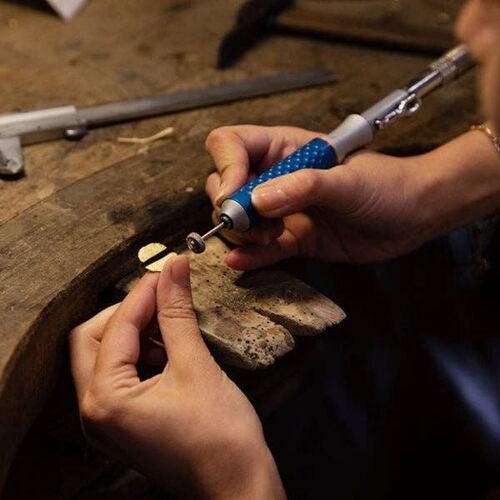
x=406, y=107
x=17, y=129
x=11, y=156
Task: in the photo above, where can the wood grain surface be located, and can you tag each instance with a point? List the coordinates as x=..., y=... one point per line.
x=419, y=26
x=73, y=225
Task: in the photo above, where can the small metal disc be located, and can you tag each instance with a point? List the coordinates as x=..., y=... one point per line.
x=195, y=243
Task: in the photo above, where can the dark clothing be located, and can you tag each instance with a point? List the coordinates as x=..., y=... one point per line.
x=402, y=400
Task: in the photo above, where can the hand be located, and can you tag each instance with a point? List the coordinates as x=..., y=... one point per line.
x=373, y=207
x=189, y=428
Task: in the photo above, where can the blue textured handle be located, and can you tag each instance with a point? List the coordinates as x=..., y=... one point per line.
x=315, y=154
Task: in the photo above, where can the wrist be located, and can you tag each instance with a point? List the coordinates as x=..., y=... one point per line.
x=262, y=480
x=246, y=472
x=459, y=183
x=487, y=129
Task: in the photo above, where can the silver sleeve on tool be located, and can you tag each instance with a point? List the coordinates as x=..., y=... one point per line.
x=237, y=215
x=353, y=133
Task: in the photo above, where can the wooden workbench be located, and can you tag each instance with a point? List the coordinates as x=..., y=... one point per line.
x=72, y=225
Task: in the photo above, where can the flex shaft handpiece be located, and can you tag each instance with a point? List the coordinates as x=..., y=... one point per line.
x=356, y=131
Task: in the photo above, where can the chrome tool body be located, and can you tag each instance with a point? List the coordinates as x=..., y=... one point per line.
x=356, y=131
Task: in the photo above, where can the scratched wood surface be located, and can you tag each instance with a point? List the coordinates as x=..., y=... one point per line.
x=252, y=319
x=73, y=225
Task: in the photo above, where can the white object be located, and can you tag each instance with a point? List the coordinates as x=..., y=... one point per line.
x=67, y=8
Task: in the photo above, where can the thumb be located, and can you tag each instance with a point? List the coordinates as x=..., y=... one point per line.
x=335, y=188
x=176, y=316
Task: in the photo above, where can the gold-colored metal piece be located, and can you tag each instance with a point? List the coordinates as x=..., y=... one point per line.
x=486, y=129
x=154, y=256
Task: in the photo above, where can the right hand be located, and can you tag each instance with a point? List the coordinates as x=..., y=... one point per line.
x=373, y=207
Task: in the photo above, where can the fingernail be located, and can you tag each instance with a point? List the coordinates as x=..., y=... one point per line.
x=221, y=195
x=268, y=197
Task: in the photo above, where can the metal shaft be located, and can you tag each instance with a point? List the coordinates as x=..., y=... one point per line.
x=66, y=121
x=196, y=242
x=189, y=99
x=213, y=231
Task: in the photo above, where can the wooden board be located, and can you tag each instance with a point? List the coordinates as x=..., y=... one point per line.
x=73, y=225
x=405, y=24
x=249, y=319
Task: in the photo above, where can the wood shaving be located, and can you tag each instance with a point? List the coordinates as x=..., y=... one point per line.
x=149, y=251
x=157, y=342
x=147, y=140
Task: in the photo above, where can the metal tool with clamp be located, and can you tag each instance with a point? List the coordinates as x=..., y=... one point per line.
x=357, y=130
x=28, y=127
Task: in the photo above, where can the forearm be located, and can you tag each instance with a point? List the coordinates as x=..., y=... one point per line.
x=463, y=184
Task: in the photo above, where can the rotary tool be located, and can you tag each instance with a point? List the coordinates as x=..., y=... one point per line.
x=357, y=130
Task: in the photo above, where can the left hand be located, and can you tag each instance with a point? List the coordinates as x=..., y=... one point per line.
x=189, y=428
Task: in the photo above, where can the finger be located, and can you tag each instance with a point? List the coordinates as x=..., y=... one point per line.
x=338, y=188
x=262, y=234
x=181, y=335
x=120, y=346
x=84, y=341
x=231, y=157
x=212, y=187
x=257, y=256
x=236, y=149
x=298, y=239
